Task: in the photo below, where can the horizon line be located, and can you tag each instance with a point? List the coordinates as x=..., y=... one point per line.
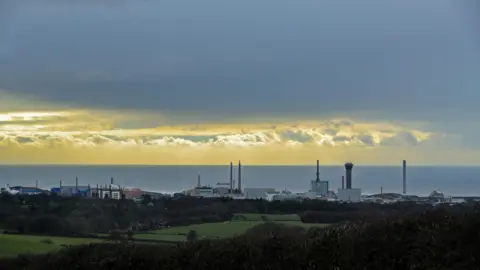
x=228, y=164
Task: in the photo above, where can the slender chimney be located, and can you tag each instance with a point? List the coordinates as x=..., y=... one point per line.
x=61, y=183
x=76, y=185
x=404, y=177
x=231, y=177
x=318, y=171
x=198, y=181
x=111, y=181
x=348, y=169
x=381, y=190
x=343, y=182
x=239, y=177
x=36, y=183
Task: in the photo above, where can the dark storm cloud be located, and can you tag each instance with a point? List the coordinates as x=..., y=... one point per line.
x=404, y=59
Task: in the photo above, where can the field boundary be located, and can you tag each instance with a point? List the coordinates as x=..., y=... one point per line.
x=95, y=237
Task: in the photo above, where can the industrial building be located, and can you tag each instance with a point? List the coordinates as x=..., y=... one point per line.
x=204, y=191
x=289, y=196
x=319, y=187
x=28, y=190
x=100, y=191
x=71, y=191
x=132, y=193
x=201, y=191
x=349, y=194
x=257, y=193
x=110, y=191
x=223, y=189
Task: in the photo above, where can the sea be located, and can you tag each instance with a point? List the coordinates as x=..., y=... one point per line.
x=453, y=181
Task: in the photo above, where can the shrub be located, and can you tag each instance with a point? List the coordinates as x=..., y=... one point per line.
x=46, y=241
x=192, y=236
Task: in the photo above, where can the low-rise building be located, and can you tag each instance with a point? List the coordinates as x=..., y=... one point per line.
x=257, y=193
x=349, y=195
x=71, y=191
x=203, y=191
x=29, y=190
x=319, y=187
x=110, y=191
x=133, y=193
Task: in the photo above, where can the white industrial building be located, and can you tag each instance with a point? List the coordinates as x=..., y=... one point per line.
x=207, y=192
x=110, y=191
x=285, y=196
x=349, y=195
x=257, y=193
x=319, y=187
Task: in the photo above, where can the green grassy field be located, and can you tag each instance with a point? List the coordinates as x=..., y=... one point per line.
x=12, y=245
x=213, y=230
x=264, y=217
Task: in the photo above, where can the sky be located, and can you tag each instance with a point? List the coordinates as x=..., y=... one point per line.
x=266, y=82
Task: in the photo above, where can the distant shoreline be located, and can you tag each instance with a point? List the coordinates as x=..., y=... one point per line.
x=226, y=165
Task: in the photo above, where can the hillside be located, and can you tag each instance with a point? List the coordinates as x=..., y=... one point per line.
x=438, y=239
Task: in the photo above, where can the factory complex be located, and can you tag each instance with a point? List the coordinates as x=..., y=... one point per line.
x=319, y=190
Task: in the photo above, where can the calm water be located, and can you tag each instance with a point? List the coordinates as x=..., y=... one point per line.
x=421, y=180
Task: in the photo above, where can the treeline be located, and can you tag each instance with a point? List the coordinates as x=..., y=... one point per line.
x=63, y=216
x=439, y=239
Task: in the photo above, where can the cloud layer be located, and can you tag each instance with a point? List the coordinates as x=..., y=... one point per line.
x=102, y=137
x=268, y=82
x=302, y=61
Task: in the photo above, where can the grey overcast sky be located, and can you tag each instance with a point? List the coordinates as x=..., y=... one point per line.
x=397, y=60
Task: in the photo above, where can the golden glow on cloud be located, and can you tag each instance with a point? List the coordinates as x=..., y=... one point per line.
x=109, y=137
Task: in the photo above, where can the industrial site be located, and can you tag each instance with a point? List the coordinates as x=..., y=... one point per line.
x=319, y=190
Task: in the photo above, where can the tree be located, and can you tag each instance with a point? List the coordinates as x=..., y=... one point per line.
x=115, y=236
x=146, y=199
x=192, y=236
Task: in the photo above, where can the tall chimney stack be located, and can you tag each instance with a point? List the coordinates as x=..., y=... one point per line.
x=343, y=182
x=239, y=176
x=36, y=183
x=76, y=185
x=348, y=169
x=318, y=171
x=231, y=177
x=198, y=181
x=404, y=177
x=111, y=181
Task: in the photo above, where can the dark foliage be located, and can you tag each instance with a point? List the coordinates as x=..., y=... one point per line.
x=440, y=239
x=55, y=215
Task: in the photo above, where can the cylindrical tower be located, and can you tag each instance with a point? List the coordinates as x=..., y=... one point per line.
x=348, y=173
x=239, y=177
x=404, y=177
x=231, y=177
